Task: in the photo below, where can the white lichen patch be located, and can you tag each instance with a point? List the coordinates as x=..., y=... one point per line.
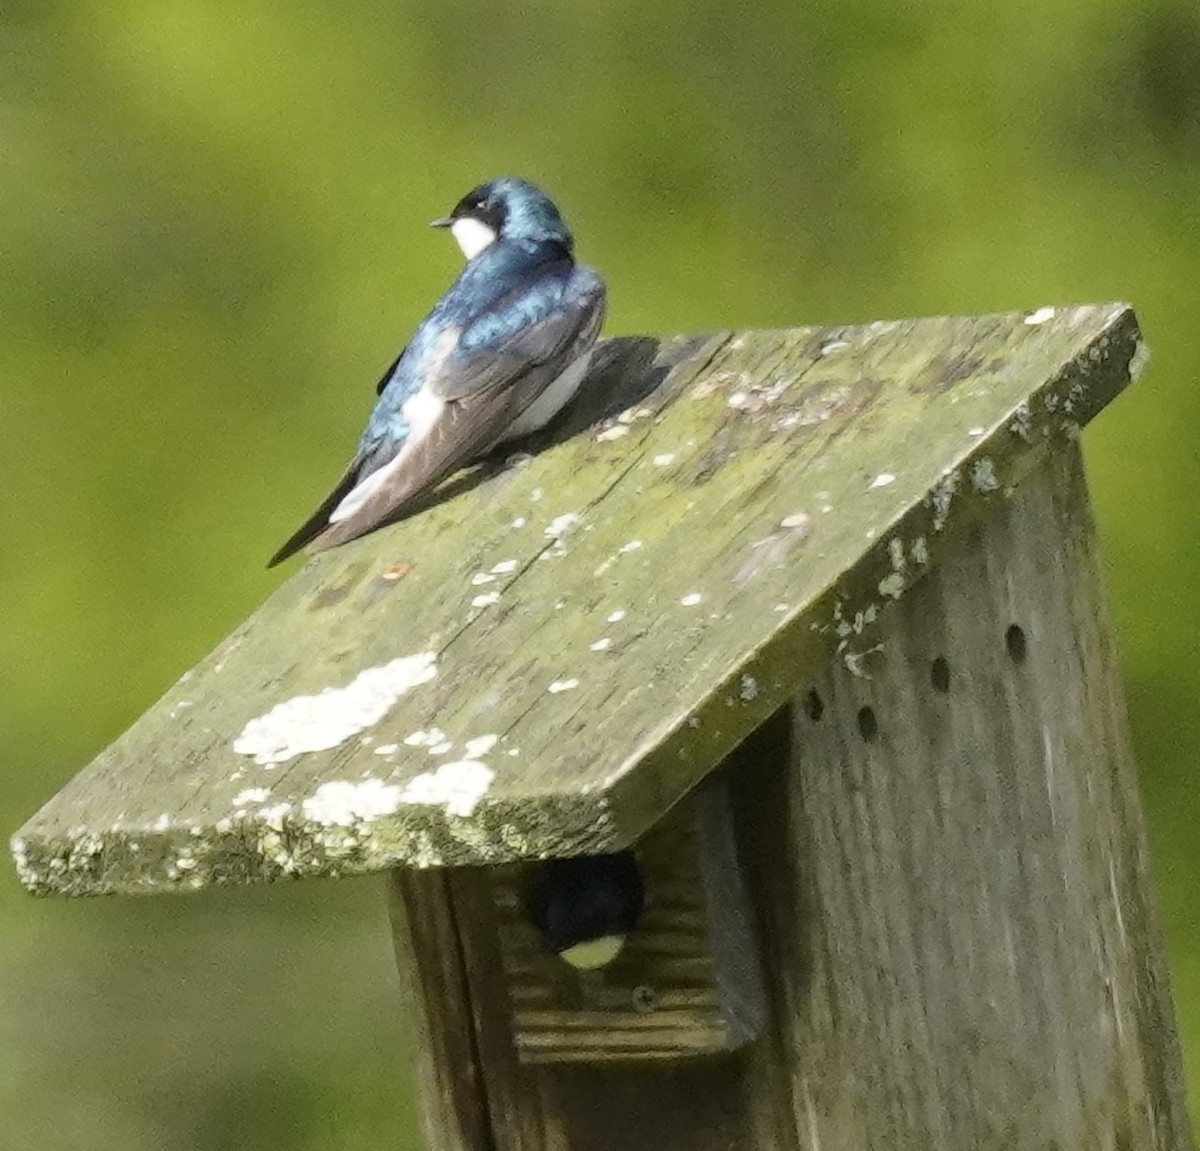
x=613, y=433
x=828, y=349
x=795, y=520
x=308, y=723
x=486, y=599
x=1138, y=361
x=940, y=497
x=748, y=688
x=480, y=745
x=919, y=551
x=560, y=525
x=631, y=546
x=428, y=738
x=691, y=599
x=983, y=475
x=387, y=749
x=616, y=616
x=505, y=567
x=1040, y=316
x=896, y=553
x=440, y=748
x=883, y=479
x=560, y=685
x=481, y=578
x=273, y=816
x=251, y=795
x=601, y=644
x=518, y=523
x=458, y=787
x=20, y=855
x=343, y=803
x=665, y=459
x=1022, y=422
x=892, y=585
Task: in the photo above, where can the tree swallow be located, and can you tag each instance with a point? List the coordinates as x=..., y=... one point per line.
x=500, y=353
x=586, y=906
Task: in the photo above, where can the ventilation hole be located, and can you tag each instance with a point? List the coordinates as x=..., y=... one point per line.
x=868, y=725
x=1014, y=640
x=939, y=674
x=814, y=706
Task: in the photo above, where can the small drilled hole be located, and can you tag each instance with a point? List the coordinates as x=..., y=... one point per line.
x=868, y=725
x=814, y=706
x=939, y=674
x=644, y=999
x=1014, y=640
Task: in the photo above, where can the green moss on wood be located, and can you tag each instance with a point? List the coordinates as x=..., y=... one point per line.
x=545, y=662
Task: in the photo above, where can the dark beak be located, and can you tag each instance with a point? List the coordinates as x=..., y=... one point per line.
x=441, y=222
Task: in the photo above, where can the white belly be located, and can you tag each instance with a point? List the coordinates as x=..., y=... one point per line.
x=550, y=402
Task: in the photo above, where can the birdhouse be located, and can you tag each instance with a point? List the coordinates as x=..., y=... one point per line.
x=796, y=643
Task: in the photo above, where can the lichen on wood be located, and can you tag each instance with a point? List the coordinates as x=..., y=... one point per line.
x=544, y=661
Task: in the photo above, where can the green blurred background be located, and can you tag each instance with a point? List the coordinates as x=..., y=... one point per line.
x=212, y=239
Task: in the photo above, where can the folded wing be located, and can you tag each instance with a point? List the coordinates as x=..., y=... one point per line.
x=502, y=362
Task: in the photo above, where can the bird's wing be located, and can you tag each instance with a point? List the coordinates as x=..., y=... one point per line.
x=501, y=363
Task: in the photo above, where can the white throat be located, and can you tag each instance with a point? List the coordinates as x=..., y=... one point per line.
x=472, y=235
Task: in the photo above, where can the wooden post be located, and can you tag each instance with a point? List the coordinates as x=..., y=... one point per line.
x=951, y=883
x=853, y=565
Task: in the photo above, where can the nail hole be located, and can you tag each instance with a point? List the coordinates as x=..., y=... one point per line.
x=868, y=725
x=644, y=999
x=939, y=674
x=1014, y=640
x=814, y=706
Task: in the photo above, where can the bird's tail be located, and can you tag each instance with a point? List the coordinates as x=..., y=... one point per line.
x=319, y=520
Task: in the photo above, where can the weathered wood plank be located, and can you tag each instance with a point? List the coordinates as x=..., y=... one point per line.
x=546, y=662
x=960, y=924
x=959, y=932
x=429, y=954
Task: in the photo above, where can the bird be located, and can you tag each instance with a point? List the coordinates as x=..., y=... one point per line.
x=585, y=906
x=498, y=356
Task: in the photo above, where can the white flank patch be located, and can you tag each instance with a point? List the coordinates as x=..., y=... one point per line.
x=343, y=804
x=691, y=599
x=457, y=786
x=551, y=401
x=560, y=685
x=319, y=722
x=504, y=567
x=883, y=479
x=602, y=644
x=486, y=600
x=616, y=616
x=421, y=412
x=472, y=236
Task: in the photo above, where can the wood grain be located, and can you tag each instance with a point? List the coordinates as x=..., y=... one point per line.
x=952, y=891
x=544, y=663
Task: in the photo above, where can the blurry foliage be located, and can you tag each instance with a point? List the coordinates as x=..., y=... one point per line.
x=211, y=230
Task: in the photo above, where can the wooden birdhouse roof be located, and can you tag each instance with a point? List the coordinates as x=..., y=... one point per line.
x=545, y=661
